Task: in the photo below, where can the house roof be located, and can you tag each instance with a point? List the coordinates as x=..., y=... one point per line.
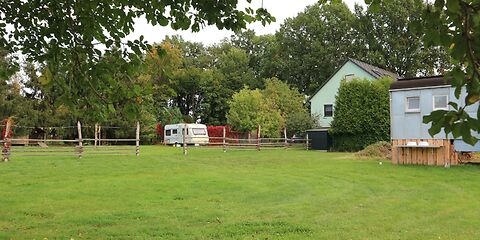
x=420, y=82
x=374, y=71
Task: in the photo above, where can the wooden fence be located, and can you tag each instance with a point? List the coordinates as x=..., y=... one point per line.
x=256, y=143
x=68, y=147
x=439, y=152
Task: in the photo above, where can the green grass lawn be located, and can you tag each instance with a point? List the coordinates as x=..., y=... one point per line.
x=271, y=194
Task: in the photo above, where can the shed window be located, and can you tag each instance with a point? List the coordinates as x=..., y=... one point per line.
x=440, y=102
x=413, y=104
x=328, y=110
x=168, y=132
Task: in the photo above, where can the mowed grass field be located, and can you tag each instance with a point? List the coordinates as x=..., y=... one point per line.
x=271, y=194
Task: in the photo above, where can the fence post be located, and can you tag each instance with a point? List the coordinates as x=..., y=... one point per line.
x=184, y=139
x=137, y=140
x=7, y=141
x=80, y=141
x=258, y=137
x=95, y=134
x=99, y=133
x=224, y=136
x=285, y=136
x=306, y=145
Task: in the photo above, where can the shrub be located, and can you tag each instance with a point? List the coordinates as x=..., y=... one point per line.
x=379, y=150
x=249, y=109
x=362, y=114
x=290, y=102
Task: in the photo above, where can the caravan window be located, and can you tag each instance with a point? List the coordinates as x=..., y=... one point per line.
x=413, y=104
x=440, y=102
x=168, y=132
x=183, y=131
x=199, y=131
x=174, y=131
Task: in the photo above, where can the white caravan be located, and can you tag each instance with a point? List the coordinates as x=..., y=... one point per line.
x=196, y=133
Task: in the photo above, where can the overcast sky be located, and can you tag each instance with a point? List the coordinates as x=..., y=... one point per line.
x=280, y=9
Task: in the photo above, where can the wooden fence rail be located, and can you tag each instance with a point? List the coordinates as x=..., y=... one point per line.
x=253, y=143
x=69, y=147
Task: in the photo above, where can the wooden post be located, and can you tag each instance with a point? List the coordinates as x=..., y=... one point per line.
x=184, y=139
x=258, y=138
x=96, y=135
x=80, y=141
x=7, y=141
x=285, y=136
x=99, y=133
x=224, y=140
x=137, y=140
x=306, y=141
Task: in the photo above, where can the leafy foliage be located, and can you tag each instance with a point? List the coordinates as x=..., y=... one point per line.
x=66, y=37
x=249, y=109
x=290, y=102
x=456, y=24
x=314, y=43
x=391, y=35
x=362, y=114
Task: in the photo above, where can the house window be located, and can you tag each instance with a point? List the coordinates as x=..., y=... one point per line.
x=413, y=104
x=328, y=110
x=168, y=132
x=440, y=102
x=174, y=131
x=349, y=77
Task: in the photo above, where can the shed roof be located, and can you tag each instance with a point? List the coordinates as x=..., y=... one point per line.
x=420, y=82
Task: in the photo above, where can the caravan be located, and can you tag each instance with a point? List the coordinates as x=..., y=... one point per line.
x=195, y=133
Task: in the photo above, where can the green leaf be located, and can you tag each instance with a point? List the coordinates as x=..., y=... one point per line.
x=46, y=77
x=454, y=105
x=453, y=6
x=439, y=4
x=111, y=108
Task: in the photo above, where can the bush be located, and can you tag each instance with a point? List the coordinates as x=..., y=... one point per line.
x=249, y=109
x=379, y=150
x=362, y=114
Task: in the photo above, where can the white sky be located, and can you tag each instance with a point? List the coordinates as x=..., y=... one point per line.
x=280, y=9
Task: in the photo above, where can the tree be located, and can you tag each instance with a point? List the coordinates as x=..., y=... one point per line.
x=162, y=61
x=314, y=43
x=249, y=109
x=290, y=102
x=66, y=36
x=262, y=50
x=233, y=63
x=7, y=65
x=455, y=25
x=170, y=115
x=392, y=37
x=362, y=114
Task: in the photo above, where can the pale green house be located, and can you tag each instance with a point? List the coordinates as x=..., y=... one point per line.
x=322, y=103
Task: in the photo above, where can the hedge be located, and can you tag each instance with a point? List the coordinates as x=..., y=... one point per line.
x=361, y=114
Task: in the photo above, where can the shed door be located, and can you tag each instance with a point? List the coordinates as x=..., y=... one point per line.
x=319, y=140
